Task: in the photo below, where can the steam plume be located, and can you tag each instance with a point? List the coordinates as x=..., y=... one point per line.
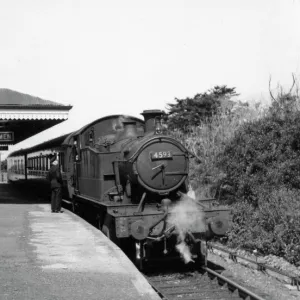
x=187, y=216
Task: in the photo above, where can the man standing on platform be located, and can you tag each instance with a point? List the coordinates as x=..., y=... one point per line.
x=55, y=178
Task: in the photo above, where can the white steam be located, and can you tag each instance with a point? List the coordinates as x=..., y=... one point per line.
x=186, y=216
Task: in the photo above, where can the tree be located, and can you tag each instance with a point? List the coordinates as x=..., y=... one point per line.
x=192, y=111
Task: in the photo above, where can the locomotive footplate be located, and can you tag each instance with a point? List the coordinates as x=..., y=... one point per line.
x=138, y=226
x=153, y=223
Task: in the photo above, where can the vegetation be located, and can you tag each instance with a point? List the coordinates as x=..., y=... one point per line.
x=192, y=111
x=209, y=139
x=250, y=158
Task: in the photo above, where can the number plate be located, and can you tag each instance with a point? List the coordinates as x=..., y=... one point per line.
x=161, y=155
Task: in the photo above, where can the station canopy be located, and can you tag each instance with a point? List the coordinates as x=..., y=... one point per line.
x=22, y=116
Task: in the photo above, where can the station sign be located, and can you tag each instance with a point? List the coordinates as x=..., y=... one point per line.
x=7, y=136
x=3, y=148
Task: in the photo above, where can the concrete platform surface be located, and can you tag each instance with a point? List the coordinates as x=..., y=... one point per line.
x=60, y=256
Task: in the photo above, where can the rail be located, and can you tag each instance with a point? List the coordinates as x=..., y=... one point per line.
x=234, y=287
x=295, y=280
x=207, y=284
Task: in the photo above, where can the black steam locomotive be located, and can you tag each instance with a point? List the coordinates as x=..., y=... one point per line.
x=128, y=175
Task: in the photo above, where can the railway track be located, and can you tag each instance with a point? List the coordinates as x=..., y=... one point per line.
x=294, y=279
x=199, y=285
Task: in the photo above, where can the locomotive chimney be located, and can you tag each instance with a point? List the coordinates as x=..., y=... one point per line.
x=151, y=116
x=129, y=129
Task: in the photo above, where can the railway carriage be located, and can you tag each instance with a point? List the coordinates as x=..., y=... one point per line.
x=127, y=174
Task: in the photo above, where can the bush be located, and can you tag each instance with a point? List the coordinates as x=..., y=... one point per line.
x=262, y=178
x=208, y=141
x=271, y=228
x=262, y=155
x=251, y=158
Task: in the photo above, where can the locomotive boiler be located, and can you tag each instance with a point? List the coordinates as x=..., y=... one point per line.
x=127, y=174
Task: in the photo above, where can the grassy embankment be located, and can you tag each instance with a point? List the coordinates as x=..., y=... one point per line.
x=250, y=160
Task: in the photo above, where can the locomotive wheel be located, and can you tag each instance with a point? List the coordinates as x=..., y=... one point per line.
x=74, y=207
x=201, y=251
x=107, y=232
x=109, y=229
x=139, y=255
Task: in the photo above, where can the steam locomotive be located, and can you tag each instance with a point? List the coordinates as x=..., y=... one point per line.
x=128, y=174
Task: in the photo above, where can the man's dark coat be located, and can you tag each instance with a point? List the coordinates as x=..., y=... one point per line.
x=54, y=176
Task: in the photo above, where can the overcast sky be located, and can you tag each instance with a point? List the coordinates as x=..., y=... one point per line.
x=109, y=57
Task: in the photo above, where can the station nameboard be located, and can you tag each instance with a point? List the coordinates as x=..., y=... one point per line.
x=7, y=136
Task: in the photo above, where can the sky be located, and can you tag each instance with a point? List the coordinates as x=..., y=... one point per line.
x=122, y=57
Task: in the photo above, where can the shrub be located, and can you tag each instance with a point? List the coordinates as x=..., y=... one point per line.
x=262, y=178
x=251, y=158
x=273, y=227
x=209, y=140
x=263, y=154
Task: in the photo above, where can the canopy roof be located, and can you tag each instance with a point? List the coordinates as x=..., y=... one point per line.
x=22, y=116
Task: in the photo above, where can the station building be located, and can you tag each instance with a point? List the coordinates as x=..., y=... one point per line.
x=23, y=116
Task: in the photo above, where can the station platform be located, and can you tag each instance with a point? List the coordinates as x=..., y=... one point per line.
x=53, y=256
